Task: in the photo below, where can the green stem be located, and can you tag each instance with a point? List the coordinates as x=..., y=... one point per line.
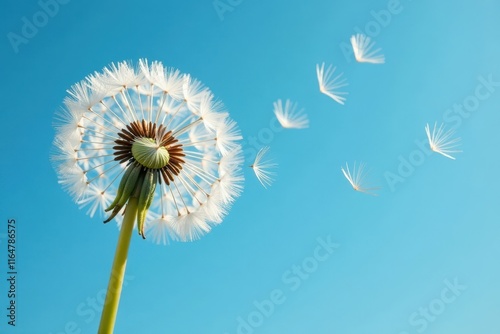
x=110, y=309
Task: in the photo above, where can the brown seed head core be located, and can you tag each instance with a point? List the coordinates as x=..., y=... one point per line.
x=143, y=129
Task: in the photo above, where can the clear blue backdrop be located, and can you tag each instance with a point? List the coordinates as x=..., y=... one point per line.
x=396, y=250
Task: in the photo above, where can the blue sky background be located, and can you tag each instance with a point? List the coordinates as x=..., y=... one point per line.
x=397, y=250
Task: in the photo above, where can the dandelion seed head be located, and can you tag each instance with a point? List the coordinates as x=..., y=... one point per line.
x=149, y=121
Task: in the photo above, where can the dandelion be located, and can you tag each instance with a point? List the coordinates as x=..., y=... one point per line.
x=362, y=46
x=262, y=168
x=441, y=141
x=149, y=147
x=289, y=116
x=357, y=178
x=329, y=84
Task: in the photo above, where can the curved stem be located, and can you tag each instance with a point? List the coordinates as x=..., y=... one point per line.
x=110, y=309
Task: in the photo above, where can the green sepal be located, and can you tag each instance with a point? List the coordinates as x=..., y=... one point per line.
x=131, y=183
x=119, y=192
x=145, y=199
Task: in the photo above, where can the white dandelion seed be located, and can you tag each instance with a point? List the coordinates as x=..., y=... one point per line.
x=441, y=141
x=357, y=178
x=165, y=124
x=212, y=212
x=191, y=225
x=262, y=168
x=168, y=80
x=289, y=116
x=229, y=186
x=363, y=50
x=227, y=135
x=193, y=92
x=230, y=162
x=211, y=111
x=161, y=230
x=96, y=198
x=329, y=84
x=117, y=76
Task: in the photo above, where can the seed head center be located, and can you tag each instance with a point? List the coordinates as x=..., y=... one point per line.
x=149, y=153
